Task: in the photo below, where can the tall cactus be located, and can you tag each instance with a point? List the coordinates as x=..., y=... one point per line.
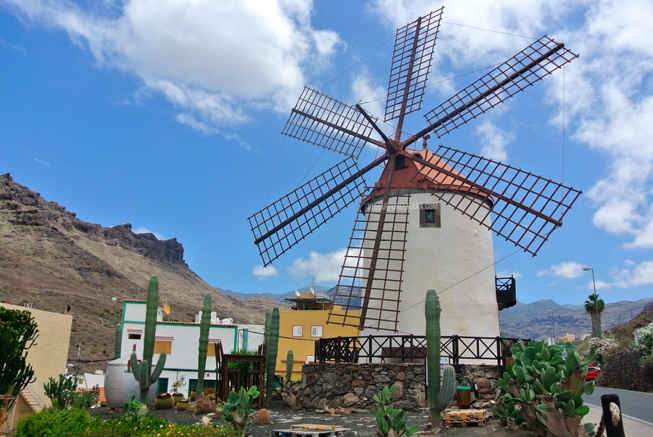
x=268, y=319
x=204, y=341
x=143, y=372
x=439, y=397
x=271, y=360
x=289, y=364
x=118, y=343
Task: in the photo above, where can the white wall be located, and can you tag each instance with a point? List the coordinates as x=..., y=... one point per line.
x=255, y=336
x=439, y=259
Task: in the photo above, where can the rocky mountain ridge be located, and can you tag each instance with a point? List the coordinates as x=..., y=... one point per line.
x=49, y=259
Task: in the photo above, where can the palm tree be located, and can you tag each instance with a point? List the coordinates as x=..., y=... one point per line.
x=590, y=306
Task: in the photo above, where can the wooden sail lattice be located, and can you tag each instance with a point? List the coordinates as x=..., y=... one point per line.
x=521, y=207
x=382, y=271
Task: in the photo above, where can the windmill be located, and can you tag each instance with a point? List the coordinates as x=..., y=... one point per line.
x=427, y=222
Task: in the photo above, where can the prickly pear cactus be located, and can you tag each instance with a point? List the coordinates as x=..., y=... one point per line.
x=439, y=396
x=545, y=391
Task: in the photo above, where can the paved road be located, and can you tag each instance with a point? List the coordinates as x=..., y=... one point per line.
x=634, y=404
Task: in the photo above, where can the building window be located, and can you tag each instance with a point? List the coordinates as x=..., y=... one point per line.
x=162, y=346
x=316, y=331
x=429, y=215
x=297, y=331
x=134, y=336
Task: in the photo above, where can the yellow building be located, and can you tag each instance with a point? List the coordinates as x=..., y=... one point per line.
x=48, y=357
x=303, y=322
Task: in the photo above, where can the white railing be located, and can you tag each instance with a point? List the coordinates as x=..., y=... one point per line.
x=35, y=396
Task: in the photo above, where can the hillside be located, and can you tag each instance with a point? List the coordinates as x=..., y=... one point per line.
x=531, y=320
x=49, y=259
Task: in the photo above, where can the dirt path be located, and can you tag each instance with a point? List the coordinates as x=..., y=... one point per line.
x=358, y=424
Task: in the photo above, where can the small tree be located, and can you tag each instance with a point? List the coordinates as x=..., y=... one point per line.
x=18, y=331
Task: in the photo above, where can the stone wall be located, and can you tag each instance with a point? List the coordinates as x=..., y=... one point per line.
x=622, y=371
x=354, y=385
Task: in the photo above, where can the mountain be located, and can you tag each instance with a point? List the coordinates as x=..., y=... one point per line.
x=531, y=320
x=50, y=259
x=277, y=297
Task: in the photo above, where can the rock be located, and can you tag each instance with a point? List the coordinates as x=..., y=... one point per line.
x=329, y=377
x=350, y=399
x=322, y=404
x=399, y=391
x=358, y=383
x=418, y=370
x=335, y=403
x=402, y=375
x=383, y=378
x=371, y=391
x=410, y=375
x=485, y=383
x=359, y=391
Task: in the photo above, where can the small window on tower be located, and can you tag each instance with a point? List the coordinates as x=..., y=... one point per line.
x=429, y=215
x=134, y=336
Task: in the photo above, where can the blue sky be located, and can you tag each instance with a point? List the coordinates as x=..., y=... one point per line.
x=167, y=115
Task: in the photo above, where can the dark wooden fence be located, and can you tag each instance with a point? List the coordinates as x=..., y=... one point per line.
x=409, y=347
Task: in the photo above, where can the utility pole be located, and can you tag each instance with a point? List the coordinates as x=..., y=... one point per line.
x=79, y=351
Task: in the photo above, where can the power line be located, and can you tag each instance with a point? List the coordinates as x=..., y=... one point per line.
x=490, y=30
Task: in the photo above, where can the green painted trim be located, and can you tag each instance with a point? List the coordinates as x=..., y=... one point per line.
x=173, y=369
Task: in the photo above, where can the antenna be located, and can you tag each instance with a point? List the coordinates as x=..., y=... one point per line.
x=297, y=293
x=166, y=308
x=313, y=285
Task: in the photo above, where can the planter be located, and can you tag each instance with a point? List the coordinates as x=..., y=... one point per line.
x=164, y=401
x=120, y=386
x=177, y=397
x=183, y=404
x=192, y=396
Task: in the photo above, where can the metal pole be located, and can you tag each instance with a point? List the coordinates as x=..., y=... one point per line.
x=79, y=350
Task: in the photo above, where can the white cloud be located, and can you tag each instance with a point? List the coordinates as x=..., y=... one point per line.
x=494, y=140
x=567, y=269
x=211, y=59
x=47, y=164
x=144, y=230
x=325, y=266
x=264, y=272
x=506, y=273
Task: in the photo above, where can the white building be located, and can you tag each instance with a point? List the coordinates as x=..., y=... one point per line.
x=180, y=342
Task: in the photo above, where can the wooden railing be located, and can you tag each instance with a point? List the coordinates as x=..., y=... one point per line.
x=409, y=347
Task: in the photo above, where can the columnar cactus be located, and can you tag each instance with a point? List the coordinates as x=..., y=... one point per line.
x=143, y=372
x=118, y=343
x=268, y=319
x=439, y=397
x=289, y=364
x=204, y=341
x=545, y=390
x=271, y=360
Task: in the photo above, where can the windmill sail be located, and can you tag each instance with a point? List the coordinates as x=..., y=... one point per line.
x=530, y=65
x=287, y=221
x=411, y=62
x=318, y=119
x=525, y=208
x=381, y=272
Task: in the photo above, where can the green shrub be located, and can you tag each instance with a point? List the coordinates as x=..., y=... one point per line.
x=126, y=426
x=54, y=422
x=192, y=431
x=647, y=364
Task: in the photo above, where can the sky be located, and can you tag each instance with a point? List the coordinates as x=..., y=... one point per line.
x=167, y=115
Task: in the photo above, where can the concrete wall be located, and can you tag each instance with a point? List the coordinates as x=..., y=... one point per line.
x=303, y=347
x=49, y=355
x=439, y=259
